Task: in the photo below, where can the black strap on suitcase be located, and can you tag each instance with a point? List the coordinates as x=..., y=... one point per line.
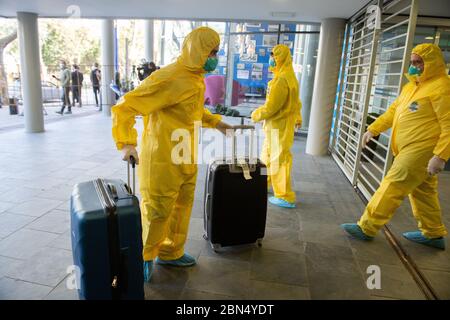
x=108, y=196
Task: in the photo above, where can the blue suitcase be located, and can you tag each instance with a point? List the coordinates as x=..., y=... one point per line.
x=107, y=240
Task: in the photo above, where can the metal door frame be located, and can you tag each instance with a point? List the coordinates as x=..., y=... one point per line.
x=354, y=171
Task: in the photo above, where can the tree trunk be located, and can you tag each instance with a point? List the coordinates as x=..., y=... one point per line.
x=3, y=77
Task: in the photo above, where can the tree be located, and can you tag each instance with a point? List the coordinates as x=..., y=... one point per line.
x=70, y=40
x=4, y=42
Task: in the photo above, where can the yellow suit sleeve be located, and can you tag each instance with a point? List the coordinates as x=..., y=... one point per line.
x=384, y=122
x=441, y=106
x=210, y=120
x=277, y=98
x=143, y=100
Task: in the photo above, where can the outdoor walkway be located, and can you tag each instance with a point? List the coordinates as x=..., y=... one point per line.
x=305, y=254
x=8, y=121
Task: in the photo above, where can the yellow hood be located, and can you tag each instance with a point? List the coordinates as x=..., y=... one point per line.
x=196, y=48
x=283, y=59
x=433, y=59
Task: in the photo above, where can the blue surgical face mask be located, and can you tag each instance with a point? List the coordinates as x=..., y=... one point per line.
x=414, y=71
x=211, y=64
x=272, y=62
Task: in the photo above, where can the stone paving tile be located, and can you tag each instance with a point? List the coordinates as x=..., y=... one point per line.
x=18, y=195
x=324, y=233
x=196, y=230
x=326, y=286
x=24, y=243
x=35, y=207
x=261, y=290
x=10, y=223
x=375, y=252
x=282, y=239
x=62, y=241
x=8, y=264
x=62, y=292
x=220, y=276
x=13, y=289
x=440, y=281
x=46, y=267
x=277, y=266
x=395, y=282
x=153, y=292
x=190, y=294
x=52, y=222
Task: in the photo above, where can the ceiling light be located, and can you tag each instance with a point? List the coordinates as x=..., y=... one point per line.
x=283, y=14
x=429, y=38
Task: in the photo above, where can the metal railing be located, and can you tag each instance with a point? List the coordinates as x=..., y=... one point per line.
x=369, y=82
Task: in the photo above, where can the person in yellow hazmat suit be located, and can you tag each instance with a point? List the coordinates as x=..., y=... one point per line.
x=281, y=114
x=170, y=101
x=420, y=141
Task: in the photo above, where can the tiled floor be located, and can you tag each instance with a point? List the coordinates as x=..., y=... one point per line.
x=8, y=121
x=305, y=254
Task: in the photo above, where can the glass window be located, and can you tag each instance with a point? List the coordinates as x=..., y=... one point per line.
x=443, y=37
x=248, y=62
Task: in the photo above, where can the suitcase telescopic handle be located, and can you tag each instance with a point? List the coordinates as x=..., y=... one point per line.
x=133, y=165
x=233, y=140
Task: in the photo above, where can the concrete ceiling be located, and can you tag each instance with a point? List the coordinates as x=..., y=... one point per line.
x=246, y=10
x=218, y=10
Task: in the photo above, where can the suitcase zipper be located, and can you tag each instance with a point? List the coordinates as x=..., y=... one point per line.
x=110, y=208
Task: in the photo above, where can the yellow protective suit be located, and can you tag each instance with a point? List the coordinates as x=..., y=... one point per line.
x=420, y=121
x=280, y=112
x=169, y=99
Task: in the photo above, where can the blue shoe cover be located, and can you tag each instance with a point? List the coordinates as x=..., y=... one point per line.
x=417, y=236
x=185, y=261
x=355, y=231
x=148, y=270
x=281, y=203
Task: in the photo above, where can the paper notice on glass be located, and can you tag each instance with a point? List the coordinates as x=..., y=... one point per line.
x=222, y=61
x=257, y=67
x=297, y=67
x=257, y=75
x=243, y=74
x=270, y=40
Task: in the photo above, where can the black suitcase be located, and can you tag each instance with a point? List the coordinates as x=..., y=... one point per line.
x=107, y=240
x=235, y=205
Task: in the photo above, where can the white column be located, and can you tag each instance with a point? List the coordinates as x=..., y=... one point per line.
x=30, y=71
x=107, y=48
x=306, y=87
x=148, y=40
x=325, y=84
x=230, y=66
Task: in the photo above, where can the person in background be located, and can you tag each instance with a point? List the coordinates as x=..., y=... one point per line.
x=77, y=83
x=96, y=80
x=152, y=67
x=281, y=115
x=64, y=79
x=420, y=142
x=170, y=100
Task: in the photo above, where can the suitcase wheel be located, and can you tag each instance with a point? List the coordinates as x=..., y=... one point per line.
x=216, y=247
x=259, y=242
